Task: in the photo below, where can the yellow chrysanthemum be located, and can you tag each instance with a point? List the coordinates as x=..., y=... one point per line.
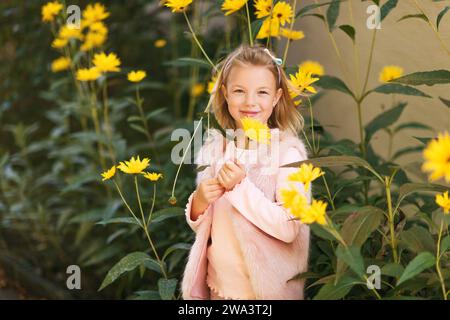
x=94, y=13
x=316, y=212
x=313, y=67
x=59, y=43
x=50, y=10
x=283, y=12
x=136, y=76
x=262, y=8
x=256, y=130
x=390, y=73
x=292, y=34
x=293, y=200
x=211, y=84
x=69, y=31
x=106, y=63
x=160, y=43
x=109, y=174
x=437, y=157
x=60, y=64
x=90, y=74
x=443, y=201
x=231, y=6
x=303, y=81
x=197, y=89
x=153, y=176
x=134, y=165
x=270, y=27
x=178, y=5
x=306, y=174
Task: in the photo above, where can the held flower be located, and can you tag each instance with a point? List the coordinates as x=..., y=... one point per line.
x=134, y=166
x=315, y=213
x=256, y=130
x=136, y=76
x=293, y=200
x=437, y=157
x=109, y=173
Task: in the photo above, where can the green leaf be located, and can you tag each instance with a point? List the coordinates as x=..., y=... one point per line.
x=187, y=62
x=413, y=16
x=412, y=125
x=441, y=15
x=167, y=213
x=386, y=8
x=417, y=239
x=357, y=228
x=352, y=257
x=445, y=244
x=349, y=30
x=332, y=14
x=166, y=288
x=126, y=264
x=429, y=78
x=421, y=262
x=147, y=295
x=393, y=270
x=390, y=88
x=406, y=150
x=409, y=188
x=172, y=248
x=334, y=83
x=138, y=128
x=118, y=220
x=334, y=292
x=445, y=101
x=383, y=120
x=310, y=7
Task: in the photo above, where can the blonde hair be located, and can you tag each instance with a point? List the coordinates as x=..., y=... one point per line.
x=285, y=115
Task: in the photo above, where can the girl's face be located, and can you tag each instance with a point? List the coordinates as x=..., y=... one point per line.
x=251, y=92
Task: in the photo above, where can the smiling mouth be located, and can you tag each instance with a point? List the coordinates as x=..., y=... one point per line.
x=249, y=113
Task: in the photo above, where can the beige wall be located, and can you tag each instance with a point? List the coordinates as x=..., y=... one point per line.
x=410, y=44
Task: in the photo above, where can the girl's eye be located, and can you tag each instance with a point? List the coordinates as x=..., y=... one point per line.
x=238, y=91
x=264, y=92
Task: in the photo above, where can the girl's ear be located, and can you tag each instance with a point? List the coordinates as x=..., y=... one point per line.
x=224, y=92
x=278, y=96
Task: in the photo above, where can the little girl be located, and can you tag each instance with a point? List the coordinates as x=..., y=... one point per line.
x=247, y=246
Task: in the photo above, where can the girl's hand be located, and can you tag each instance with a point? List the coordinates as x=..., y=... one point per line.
x=231, y=173
x=207, y=192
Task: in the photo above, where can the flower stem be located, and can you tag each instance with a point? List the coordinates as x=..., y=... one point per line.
x=387, y=184
x=438, y=259
x=153, y=205
x=288, y=41
x=250, y=37
x=126, y=204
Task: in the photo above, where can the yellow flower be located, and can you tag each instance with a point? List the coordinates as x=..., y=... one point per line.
x=306, y=174
x=109, y=173
x=60, y=64
x=160, y=43
x=136, y=76
x=390, y=73
x=231, y=6
x=443, y=201
x=293, y=200
x=211, y=84
x=88, y=74
x=263, y=8
x=303, y=81
x=270, y=27
x=292, y=34
x=313, y=67
x=178, y=5
x=152, y=176
x=437, y=157
x=256, y=130
x=50, y=10
x=106, y=63
x=197, y=89
x=315, y=213
x=283, y=12
x=70, y=32
x=59, y=43
x=134, y=165
x=94, y=13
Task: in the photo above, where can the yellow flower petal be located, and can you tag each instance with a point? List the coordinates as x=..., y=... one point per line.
x=109, y=173
x=134, y=166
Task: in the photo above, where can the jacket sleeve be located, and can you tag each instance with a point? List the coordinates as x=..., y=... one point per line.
x=270, y=217
x=205, y=156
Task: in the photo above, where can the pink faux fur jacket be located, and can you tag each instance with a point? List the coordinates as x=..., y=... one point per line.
x=271, y=256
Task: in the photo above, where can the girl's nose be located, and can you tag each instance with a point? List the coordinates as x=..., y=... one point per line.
x=251, y=100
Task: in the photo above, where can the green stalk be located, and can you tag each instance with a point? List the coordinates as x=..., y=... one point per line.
x=126, y=204
x=388, y=182
x=438, y=259
x=288, y=41
x=250, y=37
x=153, y=204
